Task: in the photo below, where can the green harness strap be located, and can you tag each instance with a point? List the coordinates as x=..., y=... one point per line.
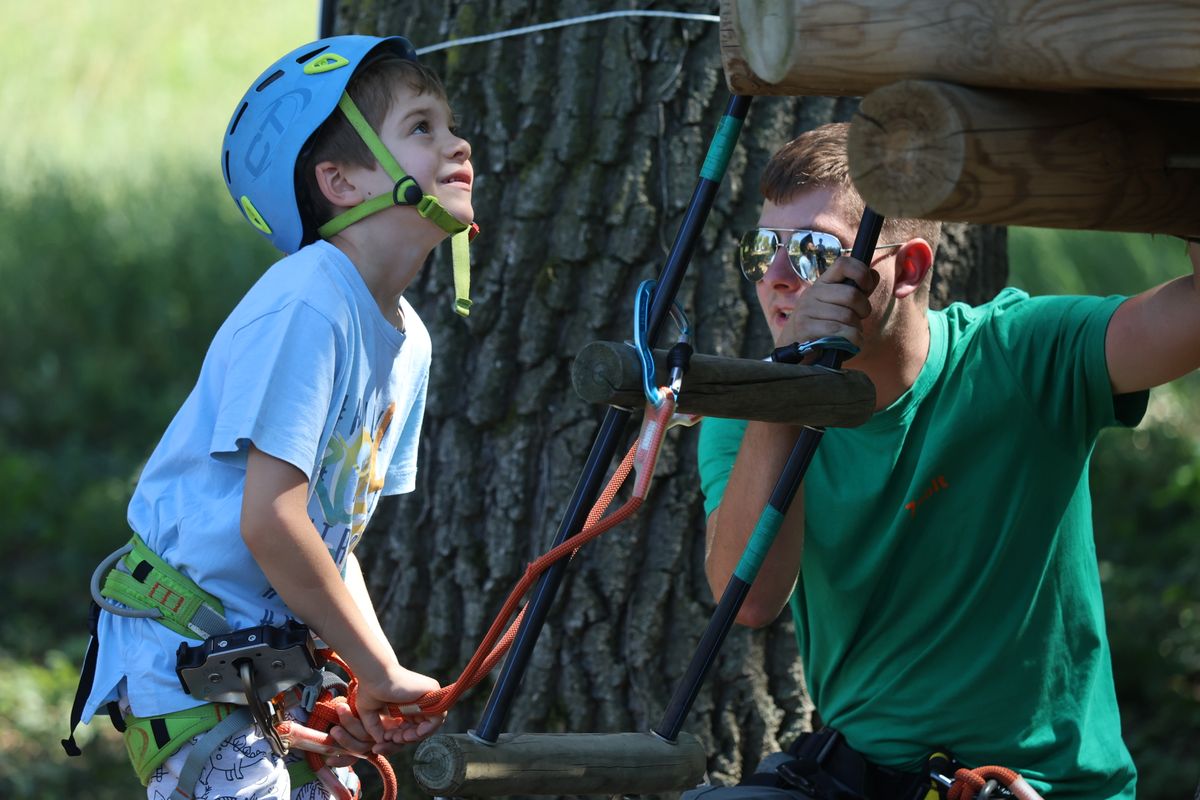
x=152, y=740
x=143, y=581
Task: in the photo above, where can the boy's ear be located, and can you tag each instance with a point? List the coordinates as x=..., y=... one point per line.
x=913, y=262
x=336, y=185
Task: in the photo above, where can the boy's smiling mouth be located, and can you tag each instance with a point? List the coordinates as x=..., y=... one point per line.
x=462, y=176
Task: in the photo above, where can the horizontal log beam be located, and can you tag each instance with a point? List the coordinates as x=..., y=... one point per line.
x=735, y=388
x=850, y=47
x=940, y=151
x=558, y=764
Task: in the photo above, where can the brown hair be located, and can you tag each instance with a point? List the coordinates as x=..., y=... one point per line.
x=373, y=90
x=818, y=159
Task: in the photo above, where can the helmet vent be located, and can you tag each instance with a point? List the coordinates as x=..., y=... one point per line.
x=274, y=76
x=238, y=118
x=228, y=180
x=311, y=54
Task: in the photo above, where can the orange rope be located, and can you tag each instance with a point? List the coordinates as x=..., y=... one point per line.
x=498, y=638
x=493, y=646
x=969, y=782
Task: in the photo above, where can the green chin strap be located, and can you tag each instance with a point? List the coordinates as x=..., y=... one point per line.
x=407, y=193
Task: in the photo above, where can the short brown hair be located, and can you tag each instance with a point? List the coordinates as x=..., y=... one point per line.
x=373, y=90
x=818, y=159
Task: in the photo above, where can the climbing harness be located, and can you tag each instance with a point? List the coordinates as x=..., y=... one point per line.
x=273, y=124
x=241, y=675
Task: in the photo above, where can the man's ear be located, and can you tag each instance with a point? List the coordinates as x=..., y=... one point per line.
x=337, y=186
x=913, y=262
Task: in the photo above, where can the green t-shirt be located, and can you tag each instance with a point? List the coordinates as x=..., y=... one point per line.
x=949, y=594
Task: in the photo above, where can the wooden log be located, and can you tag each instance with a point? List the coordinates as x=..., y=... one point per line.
x=558, y=764
x=736, y=388
x=850, y=47
x=941, y=151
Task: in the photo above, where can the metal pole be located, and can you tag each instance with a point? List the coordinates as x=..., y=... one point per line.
x=606, y=442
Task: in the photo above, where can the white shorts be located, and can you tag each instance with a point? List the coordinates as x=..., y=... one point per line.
x=242, y=768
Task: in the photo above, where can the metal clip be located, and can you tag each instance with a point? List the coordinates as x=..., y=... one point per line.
x=265, y=715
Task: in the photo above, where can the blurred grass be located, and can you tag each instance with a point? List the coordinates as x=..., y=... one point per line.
x=107, y=92
x=120, y=254
x=1044, y=261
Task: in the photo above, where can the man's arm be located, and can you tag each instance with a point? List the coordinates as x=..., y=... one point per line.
x=1154, y=337
x=764, y=450
x=290, y=552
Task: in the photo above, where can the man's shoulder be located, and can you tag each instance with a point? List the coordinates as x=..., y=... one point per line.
x=1012, y=303
x=962, y=314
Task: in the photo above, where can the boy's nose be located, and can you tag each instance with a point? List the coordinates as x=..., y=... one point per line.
x=459, y=148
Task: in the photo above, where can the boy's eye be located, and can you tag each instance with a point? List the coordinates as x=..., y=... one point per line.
x=421, y=126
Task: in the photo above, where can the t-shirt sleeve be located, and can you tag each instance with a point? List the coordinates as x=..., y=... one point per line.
x=278, y=388
x=1054, y=346
x=715, y=454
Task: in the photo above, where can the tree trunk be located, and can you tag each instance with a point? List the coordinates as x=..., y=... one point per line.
x=587, y=142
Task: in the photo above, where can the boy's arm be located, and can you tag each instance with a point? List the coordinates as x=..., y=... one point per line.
x=349, y=732
x=357, y=585
x=290, y=552
x=1154, y=337
x=764, y=450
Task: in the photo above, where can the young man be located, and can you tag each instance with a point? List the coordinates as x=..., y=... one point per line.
x=307, y=409
x=939, y=561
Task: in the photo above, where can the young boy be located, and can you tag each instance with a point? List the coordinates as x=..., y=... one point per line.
x=307, y=409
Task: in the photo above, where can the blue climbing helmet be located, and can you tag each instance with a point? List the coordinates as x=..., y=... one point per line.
x=272, y=124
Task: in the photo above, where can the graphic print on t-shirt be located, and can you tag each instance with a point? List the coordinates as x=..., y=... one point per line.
x=348, y=486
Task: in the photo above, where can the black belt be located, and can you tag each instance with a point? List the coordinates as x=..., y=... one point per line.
x=824, y=766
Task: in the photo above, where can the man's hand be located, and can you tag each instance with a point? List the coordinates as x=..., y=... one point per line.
x=831, y=306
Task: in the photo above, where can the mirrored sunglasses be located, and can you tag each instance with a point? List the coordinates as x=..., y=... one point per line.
x=809, y=252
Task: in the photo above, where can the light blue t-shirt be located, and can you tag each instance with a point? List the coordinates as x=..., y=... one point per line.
x=308, y=369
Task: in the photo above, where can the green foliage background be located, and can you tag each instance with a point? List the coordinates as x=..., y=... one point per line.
x=120, y=254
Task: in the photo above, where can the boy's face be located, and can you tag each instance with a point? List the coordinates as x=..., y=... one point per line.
x=417, y=131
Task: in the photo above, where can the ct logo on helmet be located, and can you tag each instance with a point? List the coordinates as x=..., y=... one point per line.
x=275, y=121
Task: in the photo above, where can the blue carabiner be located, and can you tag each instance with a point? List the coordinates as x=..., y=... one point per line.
x=641, y=321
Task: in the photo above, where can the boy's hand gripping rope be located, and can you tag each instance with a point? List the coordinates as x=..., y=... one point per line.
x=314, y=736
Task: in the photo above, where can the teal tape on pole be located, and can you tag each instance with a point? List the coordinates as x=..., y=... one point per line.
x=760, y=542
x=721, y=149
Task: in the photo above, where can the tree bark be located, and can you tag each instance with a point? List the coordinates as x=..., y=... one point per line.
x=587, y=142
